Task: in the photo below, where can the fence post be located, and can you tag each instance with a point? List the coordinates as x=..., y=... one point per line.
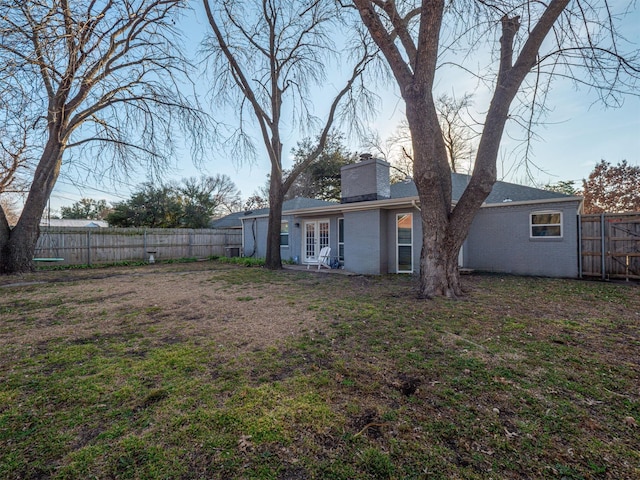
x=603, y=262
x=89, y=248
x=144, y=245
x=579, y=246
x=190, y=253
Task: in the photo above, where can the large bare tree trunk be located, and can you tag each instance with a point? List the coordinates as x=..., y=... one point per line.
x=409, y=40
x=109, y=66
x=439, y=262
x=5, y=231
x=432, y=174
x=17, y=246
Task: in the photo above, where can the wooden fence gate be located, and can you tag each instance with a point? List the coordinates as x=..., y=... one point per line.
x=610, y=245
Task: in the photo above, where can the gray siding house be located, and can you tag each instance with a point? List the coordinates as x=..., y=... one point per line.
x=376, y=228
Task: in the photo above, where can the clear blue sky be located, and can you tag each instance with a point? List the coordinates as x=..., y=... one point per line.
x=579, y=133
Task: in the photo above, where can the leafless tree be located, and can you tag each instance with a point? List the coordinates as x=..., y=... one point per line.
x=266, y=57
x=255, y=201
x=12, y=161
x=102, y=79
x=459, y=132
x=14, y=135
x=8, y=209
x=395, y=149
x=527, y=44
x=457, y=128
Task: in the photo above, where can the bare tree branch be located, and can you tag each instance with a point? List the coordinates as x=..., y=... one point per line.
x=266, y=59
x=556, y=39
x=84, y=73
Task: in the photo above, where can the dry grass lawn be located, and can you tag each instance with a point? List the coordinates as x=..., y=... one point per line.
x=207, y=370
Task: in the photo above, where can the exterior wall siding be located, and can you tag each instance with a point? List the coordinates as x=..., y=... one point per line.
x=499, y=241
x=255, y=237
x=392, y=241
x=254, y=232
x=363, y=251
x=385, y=245
x=291, y=251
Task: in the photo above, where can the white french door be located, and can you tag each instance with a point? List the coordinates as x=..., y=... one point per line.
x=316, y=236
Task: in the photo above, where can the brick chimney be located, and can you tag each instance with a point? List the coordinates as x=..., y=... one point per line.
x=365, y=180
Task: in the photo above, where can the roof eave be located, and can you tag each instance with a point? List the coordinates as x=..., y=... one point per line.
x=400, y=202
x=533, y=202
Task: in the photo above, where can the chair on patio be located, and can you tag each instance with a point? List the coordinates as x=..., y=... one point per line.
x=324, y=258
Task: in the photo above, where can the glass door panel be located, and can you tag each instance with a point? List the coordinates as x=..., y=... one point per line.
x=310, y=242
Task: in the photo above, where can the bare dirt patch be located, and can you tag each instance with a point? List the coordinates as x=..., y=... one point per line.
x=167, y=301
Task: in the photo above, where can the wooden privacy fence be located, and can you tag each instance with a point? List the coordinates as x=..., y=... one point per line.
x=86, y=246
x=610, y=245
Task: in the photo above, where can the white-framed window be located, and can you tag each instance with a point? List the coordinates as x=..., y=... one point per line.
x=284, y=234
x=546, y=224
x=341, y=239
x=404, y=240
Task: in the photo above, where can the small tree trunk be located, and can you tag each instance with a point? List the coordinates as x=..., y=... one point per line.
x=276, y=198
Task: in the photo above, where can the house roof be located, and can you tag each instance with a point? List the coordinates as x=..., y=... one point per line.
x=228, y=221
x=502, y=191
x=302, y=202
x=69, y=223
x=234, y=220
